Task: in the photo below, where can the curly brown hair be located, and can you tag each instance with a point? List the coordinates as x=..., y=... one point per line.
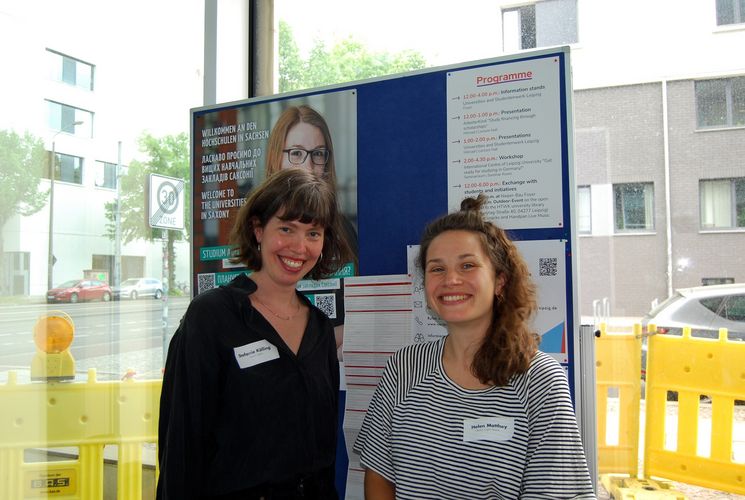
x=509, y=344
x=292, y=194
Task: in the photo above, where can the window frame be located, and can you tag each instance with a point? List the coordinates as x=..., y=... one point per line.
x=581, y=207
x=530, y=11
x=649, y=211
x=60, y=76
x=732, y=202
x=737, y=8
x=730, y=102
x=105, y=167
x=58, y=167
x=68, y=125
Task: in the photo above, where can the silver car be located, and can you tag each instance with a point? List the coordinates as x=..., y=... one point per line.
x=135, y=288
x=705, y=309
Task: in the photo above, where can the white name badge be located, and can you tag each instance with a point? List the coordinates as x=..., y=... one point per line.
x=488, y=429
x=255, y=353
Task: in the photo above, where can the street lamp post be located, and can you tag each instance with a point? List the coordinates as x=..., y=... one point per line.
x=117, y=281
x=50, y=240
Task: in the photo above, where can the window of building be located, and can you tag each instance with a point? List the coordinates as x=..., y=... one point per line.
x=721, y=102
x=105, y=174
x=634, y=206
x=730, y=12
x=69, y=70
x=715, y=281
x=722, y=203
x=542, y=24
x=69, y=119
x=584, y=210
x=68, y=168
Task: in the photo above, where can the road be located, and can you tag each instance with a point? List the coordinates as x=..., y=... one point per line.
x=102, y=329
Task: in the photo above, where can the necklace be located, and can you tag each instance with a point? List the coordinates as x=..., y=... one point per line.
x=284, y=318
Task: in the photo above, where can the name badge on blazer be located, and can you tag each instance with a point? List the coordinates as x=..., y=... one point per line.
x=255, y=353
x=488, y=429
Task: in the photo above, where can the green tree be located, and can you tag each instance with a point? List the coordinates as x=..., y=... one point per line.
x=168, y=155
x=348, y=60
x=23, y=162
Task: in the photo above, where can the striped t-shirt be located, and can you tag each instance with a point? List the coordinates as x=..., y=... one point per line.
x=434, y=439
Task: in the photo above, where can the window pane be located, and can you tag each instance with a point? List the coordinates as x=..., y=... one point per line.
x=738, y=101
x=634, y=207
x=716, y=203
x=740, y=202
x=69, y=169
x=106, y=174
x=68, y=70
x=584, y=210
x=725, y=12
x=527, y=27
x=511, y=30
x=712, y=303
x=734, y=308
x=555, y=22
x=711, y=103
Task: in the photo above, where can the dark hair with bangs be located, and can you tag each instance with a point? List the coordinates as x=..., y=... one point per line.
x=291, y=194
x=509, y=344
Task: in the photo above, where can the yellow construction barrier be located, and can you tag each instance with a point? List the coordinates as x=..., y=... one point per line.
x=618, y=371
x=693, y=367
x=631, y=488
x=88, y=416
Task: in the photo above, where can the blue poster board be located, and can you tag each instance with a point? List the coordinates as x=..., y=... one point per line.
x=400, y=144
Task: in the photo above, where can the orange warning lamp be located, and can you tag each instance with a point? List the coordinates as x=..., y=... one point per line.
x=53, y=334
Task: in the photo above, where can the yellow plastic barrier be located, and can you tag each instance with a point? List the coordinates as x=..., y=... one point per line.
x=631, y=488
x=693, y=367
x=86, y=415
x=618, y=367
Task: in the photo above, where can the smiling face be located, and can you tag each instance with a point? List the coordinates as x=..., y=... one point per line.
x=307, y=137
x=459, y=279
x=289, y=249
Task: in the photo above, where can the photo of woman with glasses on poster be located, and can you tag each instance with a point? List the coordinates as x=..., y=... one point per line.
x=301, y=138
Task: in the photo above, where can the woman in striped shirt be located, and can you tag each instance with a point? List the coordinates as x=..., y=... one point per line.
x=481, y=413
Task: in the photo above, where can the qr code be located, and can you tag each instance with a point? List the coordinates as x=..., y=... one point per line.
x=205, y=282
x=326, y=302
x=548, y=266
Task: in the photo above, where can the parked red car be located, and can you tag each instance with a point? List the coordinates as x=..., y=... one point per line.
x=79, y=290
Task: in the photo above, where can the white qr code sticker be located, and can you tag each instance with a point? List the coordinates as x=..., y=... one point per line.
x=326, y=302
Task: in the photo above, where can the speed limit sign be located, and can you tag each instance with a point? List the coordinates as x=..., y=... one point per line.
x=166, y=202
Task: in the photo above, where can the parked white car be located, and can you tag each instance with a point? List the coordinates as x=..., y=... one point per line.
x=135, y=288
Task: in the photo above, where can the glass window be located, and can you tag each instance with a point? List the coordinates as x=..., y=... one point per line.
x=712, y=303
x=106, y=174
x=720, y=102
x=634, y=207
x=69, y=119
x=722, y=203
x=734, y=308
x=543, y=24
x=730, y=12
x=584, y=210
x=67, y=168
x=69, y=70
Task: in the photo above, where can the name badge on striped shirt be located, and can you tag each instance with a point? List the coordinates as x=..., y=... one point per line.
x=488, y=429
x=255, y=353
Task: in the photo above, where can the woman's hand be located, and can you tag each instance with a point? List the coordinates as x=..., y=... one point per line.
x=377, y=487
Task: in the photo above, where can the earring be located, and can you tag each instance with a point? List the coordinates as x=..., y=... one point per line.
x=259, y=247
x=320, y=257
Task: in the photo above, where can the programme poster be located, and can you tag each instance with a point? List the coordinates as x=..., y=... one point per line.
x=504, y=133
x=231, y=155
